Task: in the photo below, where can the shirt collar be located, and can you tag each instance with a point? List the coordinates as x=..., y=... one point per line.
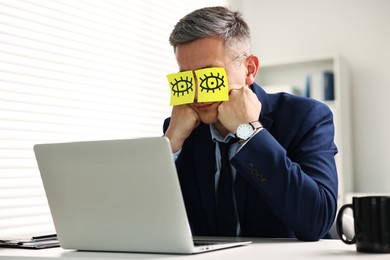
x=216, y=137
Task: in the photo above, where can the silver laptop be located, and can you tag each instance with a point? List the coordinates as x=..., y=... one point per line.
x=118, y=195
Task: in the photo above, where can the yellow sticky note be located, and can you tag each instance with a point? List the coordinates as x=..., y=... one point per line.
x=182, y=87
x=212, y=85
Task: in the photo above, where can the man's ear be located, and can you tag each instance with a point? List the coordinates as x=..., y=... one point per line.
x=252, y=65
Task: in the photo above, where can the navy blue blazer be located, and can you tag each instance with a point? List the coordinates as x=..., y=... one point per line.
x=286, y=183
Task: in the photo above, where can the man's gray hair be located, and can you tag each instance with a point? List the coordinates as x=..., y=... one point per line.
x=213, y=21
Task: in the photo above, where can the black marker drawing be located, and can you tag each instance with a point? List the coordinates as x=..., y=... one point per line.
x=211, y=82
x=182, y=86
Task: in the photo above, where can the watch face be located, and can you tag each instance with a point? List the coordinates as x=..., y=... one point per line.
x=244, y=131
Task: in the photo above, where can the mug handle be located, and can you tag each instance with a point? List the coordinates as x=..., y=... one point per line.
x=339, y=225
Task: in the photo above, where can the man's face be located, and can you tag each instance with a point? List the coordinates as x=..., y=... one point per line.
x=208, y=53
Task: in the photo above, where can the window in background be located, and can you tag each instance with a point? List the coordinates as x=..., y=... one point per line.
x=76, y=70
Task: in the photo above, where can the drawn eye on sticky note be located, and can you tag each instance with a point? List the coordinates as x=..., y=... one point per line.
x=212, y=85
x=182, y=85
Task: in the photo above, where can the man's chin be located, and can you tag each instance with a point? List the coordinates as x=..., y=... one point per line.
x=208, y=121
x=209, y=116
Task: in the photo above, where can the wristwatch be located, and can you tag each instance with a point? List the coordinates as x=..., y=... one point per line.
x=246, y=130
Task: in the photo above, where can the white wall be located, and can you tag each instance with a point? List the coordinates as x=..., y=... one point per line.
x=358, y=30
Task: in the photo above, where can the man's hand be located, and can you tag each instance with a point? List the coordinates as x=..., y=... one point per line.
x=184, y=120
x=243, y=106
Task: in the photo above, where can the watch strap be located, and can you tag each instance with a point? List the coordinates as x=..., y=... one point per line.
x=256, y=125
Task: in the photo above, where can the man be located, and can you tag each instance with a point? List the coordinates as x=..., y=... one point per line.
x=282, y=160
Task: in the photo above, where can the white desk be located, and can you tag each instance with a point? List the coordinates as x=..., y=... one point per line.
x=274, y=249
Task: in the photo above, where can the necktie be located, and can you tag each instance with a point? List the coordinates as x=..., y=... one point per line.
x=226, y=218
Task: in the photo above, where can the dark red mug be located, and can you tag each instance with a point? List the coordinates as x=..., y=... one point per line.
x=371, y=216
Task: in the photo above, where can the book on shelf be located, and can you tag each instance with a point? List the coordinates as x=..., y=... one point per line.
x=320, y=86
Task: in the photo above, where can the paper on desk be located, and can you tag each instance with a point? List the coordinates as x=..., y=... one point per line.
x=38, y=242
